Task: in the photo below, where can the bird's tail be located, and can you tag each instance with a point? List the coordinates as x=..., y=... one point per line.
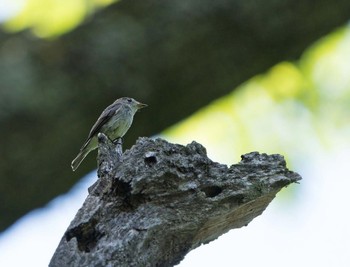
x=81, y=156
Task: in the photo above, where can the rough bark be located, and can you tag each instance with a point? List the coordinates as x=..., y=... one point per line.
x=160, y=200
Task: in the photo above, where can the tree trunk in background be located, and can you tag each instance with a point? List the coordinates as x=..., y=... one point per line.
x=161, y=200
x=176, y=56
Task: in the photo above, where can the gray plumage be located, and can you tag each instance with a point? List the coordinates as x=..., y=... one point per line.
x=114, y=122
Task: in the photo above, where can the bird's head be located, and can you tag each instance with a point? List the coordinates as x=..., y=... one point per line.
x=132, y=103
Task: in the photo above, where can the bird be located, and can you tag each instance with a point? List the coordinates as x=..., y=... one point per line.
x=114, y=122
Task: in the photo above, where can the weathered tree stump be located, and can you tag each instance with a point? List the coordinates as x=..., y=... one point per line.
x=157, y=201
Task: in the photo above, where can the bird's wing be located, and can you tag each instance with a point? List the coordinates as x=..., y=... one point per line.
x=104, y=117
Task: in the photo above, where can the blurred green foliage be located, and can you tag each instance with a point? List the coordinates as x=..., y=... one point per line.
x=294, y=109
x=50, y=18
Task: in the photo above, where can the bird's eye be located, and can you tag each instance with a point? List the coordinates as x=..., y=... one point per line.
x=129, y=100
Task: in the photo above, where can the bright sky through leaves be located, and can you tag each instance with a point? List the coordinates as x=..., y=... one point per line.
x=50, y=18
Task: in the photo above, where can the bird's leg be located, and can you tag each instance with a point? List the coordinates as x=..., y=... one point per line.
x=118, y=146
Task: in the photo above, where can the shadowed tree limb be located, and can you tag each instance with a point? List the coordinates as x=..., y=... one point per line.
x=165, y=53
x=158, y=201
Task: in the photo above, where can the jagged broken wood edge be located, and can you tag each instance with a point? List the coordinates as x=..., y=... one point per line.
x=158, y=201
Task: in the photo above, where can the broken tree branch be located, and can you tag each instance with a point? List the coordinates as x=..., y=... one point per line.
x=157, y=201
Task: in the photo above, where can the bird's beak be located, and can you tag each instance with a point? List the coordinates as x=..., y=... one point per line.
x=140, y=105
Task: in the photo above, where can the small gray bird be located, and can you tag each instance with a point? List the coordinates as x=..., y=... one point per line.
x=114, y=122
